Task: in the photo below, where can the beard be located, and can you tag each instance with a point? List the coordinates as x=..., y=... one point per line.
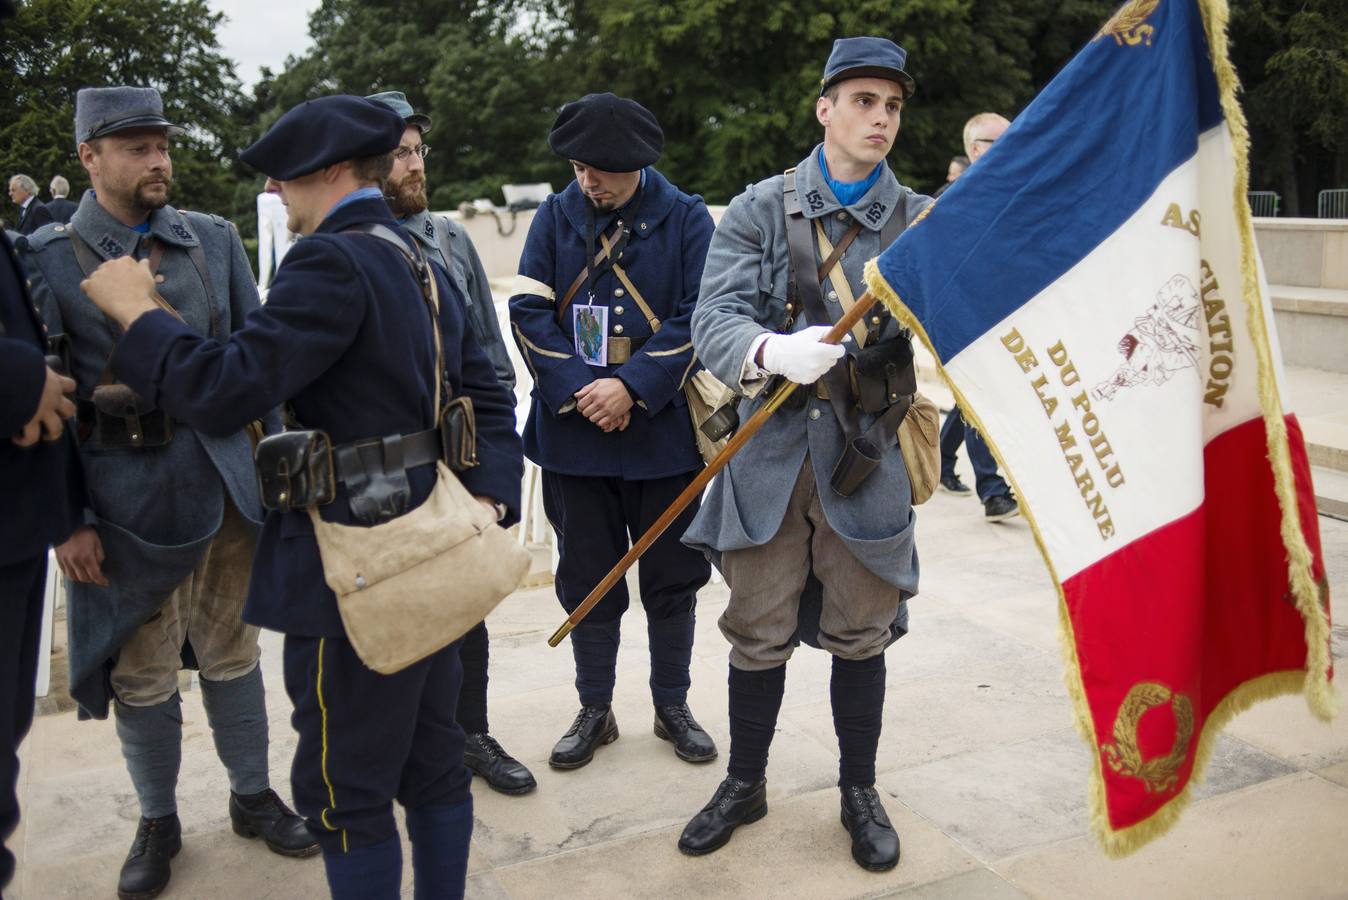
x=406, y=197
x=148, y=194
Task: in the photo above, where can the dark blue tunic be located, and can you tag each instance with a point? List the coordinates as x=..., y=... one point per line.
x=344, y=339
x=664, y=261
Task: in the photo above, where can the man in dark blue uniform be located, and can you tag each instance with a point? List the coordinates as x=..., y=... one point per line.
x=346, y=342
x=41, y=486
x=448, y=244
x=609, y=424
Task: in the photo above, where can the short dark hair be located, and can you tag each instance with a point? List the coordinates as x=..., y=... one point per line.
x=833, y=91
x=373, y=168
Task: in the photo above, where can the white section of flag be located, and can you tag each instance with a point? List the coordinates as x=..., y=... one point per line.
x=1144, y=281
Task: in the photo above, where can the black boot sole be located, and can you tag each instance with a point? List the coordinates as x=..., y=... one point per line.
x=663, y=735
x=607, y=737
x=247, y=833
x=751, y=818
x=869, y=867
x=151, y=894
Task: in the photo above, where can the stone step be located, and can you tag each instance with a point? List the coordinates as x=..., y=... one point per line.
x=1312, y=326
x=1331, y=492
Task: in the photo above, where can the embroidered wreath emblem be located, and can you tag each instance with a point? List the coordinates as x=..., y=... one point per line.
x=1160, y=773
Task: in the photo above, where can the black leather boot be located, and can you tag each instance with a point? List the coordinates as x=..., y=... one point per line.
x=147, y=869
x=264, y=815
x=593, y=727
x=735, y=803
x=875, y=843
x=503, y=772
x=677, y=725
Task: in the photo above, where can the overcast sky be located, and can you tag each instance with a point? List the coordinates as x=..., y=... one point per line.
x=263, y=33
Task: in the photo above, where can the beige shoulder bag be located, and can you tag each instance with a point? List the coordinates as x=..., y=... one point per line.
x=413, y=585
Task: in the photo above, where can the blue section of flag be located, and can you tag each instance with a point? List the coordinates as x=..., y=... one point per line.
x=1073, y=167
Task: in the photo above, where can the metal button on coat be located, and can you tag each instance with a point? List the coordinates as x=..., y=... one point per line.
x=617, y=292
x=833, y=295
x=842, y=217
x=617, y=329
x=814, y=414
x=617, y=310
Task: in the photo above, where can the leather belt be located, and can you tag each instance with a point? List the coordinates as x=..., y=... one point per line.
x=620, y=349
x=393, y=453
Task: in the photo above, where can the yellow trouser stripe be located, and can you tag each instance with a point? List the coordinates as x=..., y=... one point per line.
x=323, y=761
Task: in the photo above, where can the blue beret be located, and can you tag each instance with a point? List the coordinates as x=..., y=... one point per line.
x=397, y=101
x=317, y=133
x=612, y=134
x=100, y=111
x=867, y=57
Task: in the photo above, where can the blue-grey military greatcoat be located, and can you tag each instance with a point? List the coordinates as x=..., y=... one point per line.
x=744, y=295
x=156, y=509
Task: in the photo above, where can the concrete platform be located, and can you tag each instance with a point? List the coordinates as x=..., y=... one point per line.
x=981, y=770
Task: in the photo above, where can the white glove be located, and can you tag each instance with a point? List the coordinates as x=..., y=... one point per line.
x=800, y=357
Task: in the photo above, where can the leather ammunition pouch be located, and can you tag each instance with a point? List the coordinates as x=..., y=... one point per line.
x=124, y=421
x=882, y=374
x=295, y=470
x=458, y=434
x=721, y=423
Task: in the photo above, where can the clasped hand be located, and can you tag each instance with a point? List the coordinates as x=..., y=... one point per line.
x=606, y=403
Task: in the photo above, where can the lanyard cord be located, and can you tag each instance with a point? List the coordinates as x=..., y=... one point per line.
x=626, y=215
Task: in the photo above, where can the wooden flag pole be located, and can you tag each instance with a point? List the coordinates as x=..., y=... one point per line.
x=840, y=329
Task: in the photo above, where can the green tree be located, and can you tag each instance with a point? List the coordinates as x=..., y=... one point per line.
x=55, y=47
x=459, y=61
x=1293, y=58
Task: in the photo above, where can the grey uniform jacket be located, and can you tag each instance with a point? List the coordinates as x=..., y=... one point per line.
x=436, y=233
x=156, y=510
x=743, y=295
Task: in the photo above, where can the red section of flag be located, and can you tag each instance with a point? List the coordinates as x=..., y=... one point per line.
x=1167, y=627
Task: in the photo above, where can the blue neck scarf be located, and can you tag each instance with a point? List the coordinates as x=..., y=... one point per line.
x=365, y=193
x=848, y=192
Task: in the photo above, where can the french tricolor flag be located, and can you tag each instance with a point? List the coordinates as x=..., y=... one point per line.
x=1092, y=291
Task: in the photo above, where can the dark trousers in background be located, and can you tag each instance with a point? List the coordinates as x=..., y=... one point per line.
x=474, y=653
x=21, y=589
x=596, y=520
x=955, y=431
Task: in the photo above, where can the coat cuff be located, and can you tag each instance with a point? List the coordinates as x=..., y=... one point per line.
x=558, y=386
x=649, y=381
x=26, y=371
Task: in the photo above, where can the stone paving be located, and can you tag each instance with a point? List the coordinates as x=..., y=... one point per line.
x=980, y=767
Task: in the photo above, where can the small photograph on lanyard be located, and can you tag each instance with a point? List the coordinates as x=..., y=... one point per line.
x=589, y=325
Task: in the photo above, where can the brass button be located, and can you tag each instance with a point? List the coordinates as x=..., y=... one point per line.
x=842, y=217
x=643, y=226
x=814, y=414
x=617, y=310
x=617, y=329
x=875, y=320
x=833, y=295
x=617, y=292
x=789, y=307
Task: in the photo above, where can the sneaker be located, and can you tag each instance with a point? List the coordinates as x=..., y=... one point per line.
x=1003, y=506
x=952, y=484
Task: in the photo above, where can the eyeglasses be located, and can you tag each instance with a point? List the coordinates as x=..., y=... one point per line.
x=403, y=153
